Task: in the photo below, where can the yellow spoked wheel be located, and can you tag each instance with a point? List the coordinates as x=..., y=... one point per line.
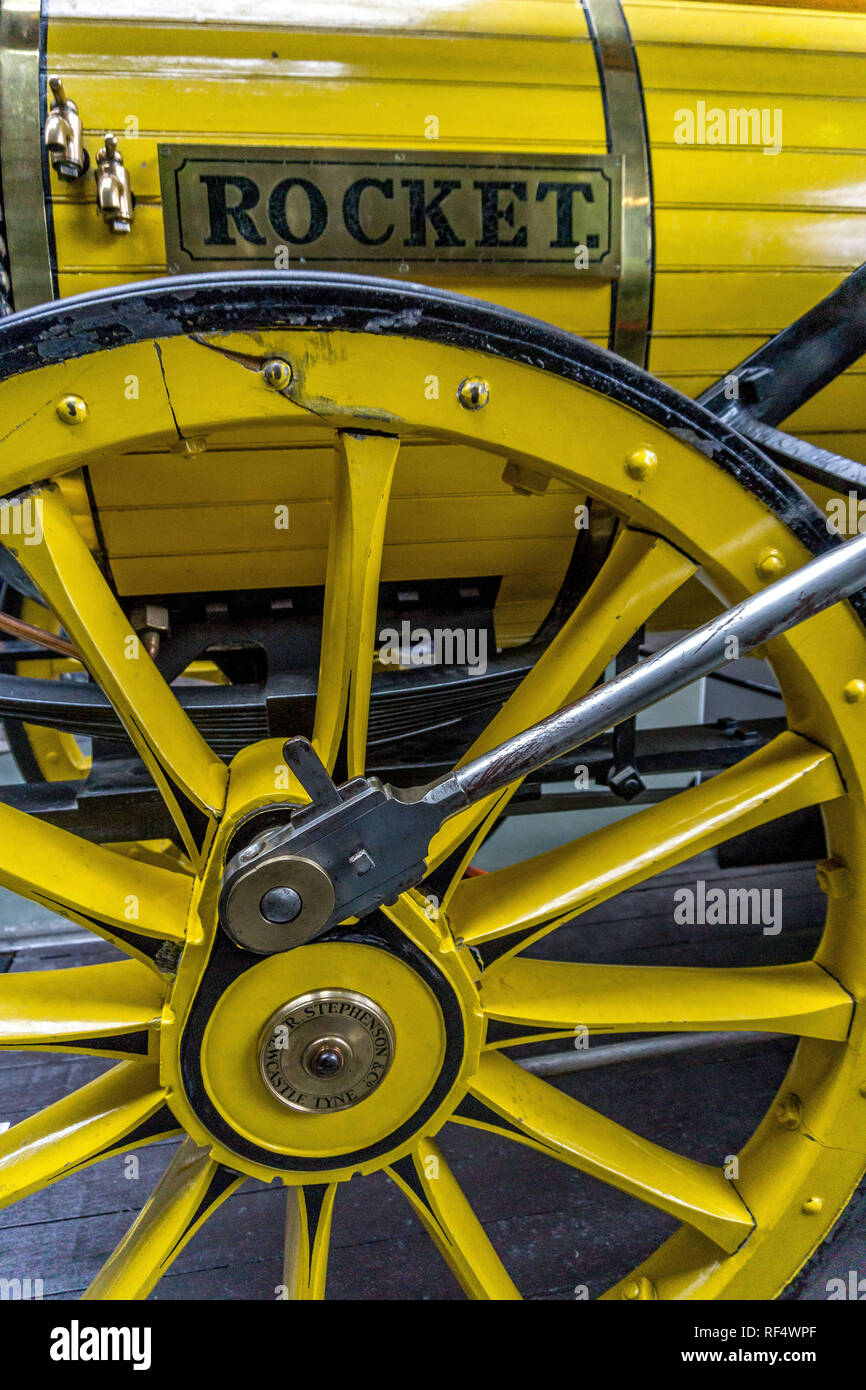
x=351, y=1052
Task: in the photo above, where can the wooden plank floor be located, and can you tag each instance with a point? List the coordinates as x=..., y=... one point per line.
x=554, y=1228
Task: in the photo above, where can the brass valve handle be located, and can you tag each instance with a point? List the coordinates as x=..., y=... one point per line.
x=114, y=198
x=63, y=135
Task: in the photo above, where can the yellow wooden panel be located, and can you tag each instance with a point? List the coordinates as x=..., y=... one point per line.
x=217, y=476
x=285, y=569
x=765, y=30
x=295, y=470
x=684, y=353
x=84, y=242
x=707, y=71
x=199, y=529
x=738, y=302
x=316, y=63
x=221, y=27
x=391, y=115
x=687, y=238
x=700, y=176
x=85, y=282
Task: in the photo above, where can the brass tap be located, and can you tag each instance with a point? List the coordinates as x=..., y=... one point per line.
x=62, y=135
x=113, y=190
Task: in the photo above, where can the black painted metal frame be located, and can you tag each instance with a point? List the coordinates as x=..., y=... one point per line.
x=788, y=370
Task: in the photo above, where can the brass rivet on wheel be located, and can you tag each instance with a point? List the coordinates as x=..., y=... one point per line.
x=789, y=1111
x=834, y=878
x=771, y=563
x=642, y=464
x=813, y=1205
x=473, y=393
x=277, y=373
x=641, y=1288
x=72, y=410
x=855, y=692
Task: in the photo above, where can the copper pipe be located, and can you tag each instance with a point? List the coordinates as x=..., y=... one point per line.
x=28, y=633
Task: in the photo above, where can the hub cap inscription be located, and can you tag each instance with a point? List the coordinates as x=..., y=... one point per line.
x=326, y=1050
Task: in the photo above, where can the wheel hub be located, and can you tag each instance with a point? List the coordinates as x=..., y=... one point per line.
x=328, y=1049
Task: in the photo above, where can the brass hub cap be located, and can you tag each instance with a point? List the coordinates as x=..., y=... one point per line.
x=326, y=1050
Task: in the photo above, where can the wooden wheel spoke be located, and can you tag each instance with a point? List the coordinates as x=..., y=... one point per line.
x=364, y=473
x=111, y=1009
x=190, y=1190
x=436, y=1197
x=190, y=777
x=136, y=905
x=512, y=1102
x=639, y=574
x=531, y=898
x=308, y=1238
x=120, y=1110
x=558, y=996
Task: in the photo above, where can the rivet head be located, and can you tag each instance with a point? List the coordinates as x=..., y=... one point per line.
x=473, y=393
x=788, y=1110
x=642, y=464
x=855, y=692
x=72, y=410
x=813, y=1205
x=834, y=878
x=641, y=1288
x=771, y=563
x=277, y=374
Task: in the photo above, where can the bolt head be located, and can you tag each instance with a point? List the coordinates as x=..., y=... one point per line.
x=834, y=878
x=771, y=564
x=280, y=905
x=327, y=1060
x=642, y=1289
x=473, y=393
x=642, y=464
x=855, y=692
x=277, y=374
x=72, y=410
x=361, y=861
